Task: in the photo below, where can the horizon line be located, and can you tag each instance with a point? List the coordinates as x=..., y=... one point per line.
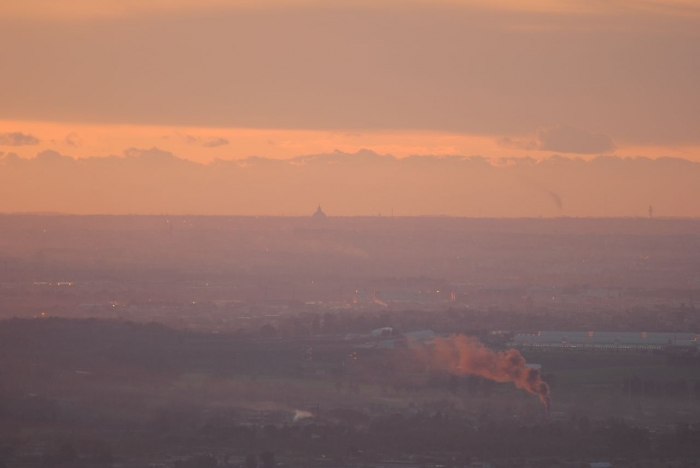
x=310, y=217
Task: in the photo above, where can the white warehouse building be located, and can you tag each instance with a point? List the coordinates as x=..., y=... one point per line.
x=606, y=340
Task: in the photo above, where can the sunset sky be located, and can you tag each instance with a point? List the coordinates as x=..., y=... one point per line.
x=209, y=80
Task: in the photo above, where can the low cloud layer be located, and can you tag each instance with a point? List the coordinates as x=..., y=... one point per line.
x=563, y=139
x=18, y=139
x=363, y=183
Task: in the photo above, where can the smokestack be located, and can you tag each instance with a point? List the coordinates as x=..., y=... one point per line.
x=462, y=355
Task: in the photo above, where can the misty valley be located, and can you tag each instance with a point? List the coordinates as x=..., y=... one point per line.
x=367, y=342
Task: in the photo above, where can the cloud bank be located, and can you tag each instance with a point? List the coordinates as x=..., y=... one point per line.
x=363, y=183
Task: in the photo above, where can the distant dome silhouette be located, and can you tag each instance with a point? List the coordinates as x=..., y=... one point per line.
x=319, y=213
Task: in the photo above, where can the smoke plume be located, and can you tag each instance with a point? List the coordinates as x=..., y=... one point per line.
x=556, y=199
x=462, y=355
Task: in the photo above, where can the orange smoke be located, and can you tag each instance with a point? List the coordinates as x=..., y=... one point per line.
x=462, y=355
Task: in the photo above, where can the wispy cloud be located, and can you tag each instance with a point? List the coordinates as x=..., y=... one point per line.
x=206, y=142
x=73, y=140
x=214, y=142
x=18, y=139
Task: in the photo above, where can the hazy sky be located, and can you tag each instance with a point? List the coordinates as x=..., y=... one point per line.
x=217, y=79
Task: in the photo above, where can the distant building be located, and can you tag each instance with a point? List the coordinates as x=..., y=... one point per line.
x=420, y=335
x=384, y=331
x=607, y=340
x=319, y=214
x=392, y=339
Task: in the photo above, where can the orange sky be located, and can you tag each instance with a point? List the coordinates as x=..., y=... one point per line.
x=206, y=144
x=230, y=79
x=90, y=8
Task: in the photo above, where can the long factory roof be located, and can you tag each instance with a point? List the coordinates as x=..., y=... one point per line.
x=613, y=338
